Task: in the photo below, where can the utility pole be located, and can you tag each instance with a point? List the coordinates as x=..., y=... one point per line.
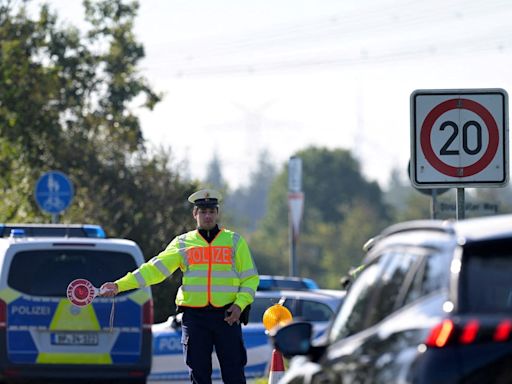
x=295, y=205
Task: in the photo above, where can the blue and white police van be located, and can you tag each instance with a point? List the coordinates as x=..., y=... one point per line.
x=43, y=336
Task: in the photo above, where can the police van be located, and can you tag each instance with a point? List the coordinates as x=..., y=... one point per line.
x=43, y=335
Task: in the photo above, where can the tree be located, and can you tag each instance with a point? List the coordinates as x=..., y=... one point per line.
x=214, y=178
x=498, y=198
x=247, y=205
x=66, y=103
x=16, y=183
x=398, y=191
x=342, y=210
x=411, y=204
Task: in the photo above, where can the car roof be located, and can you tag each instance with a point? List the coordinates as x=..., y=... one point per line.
x=313, y=293
x=11, y=246
x=485, y=228
x=432, y=231
x=280, y=282
x=65, y=240
x=281, y=277
x=330, y=298
x=51, y=230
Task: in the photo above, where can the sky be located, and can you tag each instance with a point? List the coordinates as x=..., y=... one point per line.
x=242, y=76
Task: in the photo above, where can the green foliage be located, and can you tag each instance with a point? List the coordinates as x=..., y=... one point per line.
x=410, y=204
x=247, y=205
x=66, y=102
x=112, y=22
x=16, y=184
x=214, y=178
x=500, y=197
x=342, y=211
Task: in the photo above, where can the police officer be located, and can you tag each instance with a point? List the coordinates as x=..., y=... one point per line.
x=219, y=282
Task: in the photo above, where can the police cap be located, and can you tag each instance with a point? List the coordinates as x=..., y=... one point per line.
x=205, y=198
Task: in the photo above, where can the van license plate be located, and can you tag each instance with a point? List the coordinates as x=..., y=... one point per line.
x=74, y=338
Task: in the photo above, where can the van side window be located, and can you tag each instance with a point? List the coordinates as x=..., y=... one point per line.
x=314, y=311
x=261, y=304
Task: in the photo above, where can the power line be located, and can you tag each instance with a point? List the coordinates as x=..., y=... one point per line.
x=370, y=56
x=297, y=42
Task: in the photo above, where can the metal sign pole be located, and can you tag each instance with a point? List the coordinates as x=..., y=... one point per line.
x=295, y=205
x=460, y=204
x=293, y=253
x=433, y=206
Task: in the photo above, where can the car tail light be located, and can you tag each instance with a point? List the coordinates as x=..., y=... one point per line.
x=440, y=334
x=147, y=314
x=12, y=372
x=469, y=332
x=136, y=373
x=502, y=332
x=466, y=332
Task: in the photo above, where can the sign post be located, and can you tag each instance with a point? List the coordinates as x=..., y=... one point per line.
x=433, y=193
x=54, y=193
x=459, y=138
x=295, y=205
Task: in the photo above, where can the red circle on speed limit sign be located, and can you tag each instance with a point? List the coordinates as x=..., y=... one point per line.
x=482, y=162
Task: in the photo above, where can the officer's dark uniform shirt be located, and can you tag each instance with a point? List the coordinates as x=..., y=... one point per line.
x=209, y=235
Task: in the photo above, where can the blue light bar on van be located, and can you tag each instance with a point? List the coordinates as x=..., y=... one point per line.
x=94, y=231
x=53, y=230
x=17, y=232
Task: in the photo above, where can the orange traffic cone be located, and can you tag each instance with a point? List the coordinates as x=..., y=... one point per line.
x=276, y=367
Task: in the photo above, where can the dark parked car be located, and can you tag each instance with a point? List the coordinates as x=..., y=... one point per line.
x=432, y=305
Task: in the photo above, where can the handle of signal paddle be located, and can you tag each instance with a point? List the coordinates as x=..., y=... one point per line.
x=108, y=290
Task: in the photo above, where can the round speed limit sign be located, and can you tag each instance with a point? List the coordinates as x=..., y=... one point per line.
x=459, y=138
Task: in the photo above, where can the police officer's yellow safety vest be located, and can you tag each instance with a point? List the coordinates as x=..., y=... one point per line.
x=216, y=273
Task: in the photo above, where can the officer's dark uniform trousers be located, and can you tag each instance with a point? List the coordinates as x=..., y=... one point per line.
x=203, y=329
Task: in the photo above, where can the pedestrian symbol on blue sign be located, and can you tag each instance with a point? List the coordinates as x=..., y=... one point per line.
x=54, y=192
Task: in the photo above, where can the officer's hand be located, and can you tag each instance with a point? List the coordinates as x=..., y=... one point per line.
x=109, y=289
x=233, y=314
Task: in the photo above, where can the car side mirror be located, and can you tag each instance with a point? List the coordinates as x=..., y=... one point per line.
x=293, y=339
x=345, y=282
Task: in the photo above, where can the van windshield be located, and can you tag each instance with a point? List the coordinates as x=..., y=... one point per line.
x=48, y=272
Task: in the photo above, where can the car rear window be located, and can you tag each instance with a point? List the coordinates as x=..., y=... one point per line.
x=304, y=310
x=48, y=273
x=485, y=278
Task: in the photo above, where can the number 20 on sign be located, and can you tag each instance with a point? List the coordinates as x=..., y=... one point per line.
x=459, y=138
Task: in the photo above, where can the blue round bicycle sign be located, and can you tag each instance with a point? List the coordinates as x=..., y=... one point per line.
x=54, y=192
